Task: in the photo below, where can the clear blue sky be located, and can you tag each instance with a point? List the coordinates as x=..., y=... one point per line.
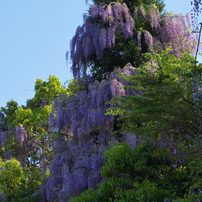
x=34, y=38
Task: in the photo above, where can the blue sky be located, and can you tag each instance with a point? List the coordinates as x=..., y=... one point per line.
x=34, y=38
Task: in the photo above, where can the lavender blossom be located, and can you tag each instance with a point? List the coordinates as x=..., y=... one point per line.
x=94, y=11
x=78, y=159
x=101, y=11
x=110, y=37
x=143, y=11
x=116, y=88
x=77, y=162
x=155, y=17
x=102, y=40
x=20, y=133
x=126, y=11
x=152, y=15
x=117, y=13
x=182, y=20
x=139, y=40
x=131, y=139
x=1, y=115
x=129, y=26
x=197, y=95
x=3, y=138
x=136, y=12
x=188, y=19
x=148, y=39
x=108, y=15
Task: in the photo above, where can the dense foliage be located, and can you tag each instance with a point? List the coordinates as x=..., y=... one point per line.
x=145, y=173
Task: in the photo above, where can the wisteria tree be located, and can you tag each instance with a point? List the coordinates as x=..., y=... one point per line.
x=79, y=125
x=68, y=130
x=116, y=33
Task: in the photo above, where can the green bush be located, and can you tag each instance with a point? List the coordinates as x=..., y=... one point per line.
x=16, y=183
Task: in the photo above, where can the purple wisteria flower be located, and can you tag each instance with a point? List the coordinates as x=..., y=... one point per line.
x=139, y=40
x=188, y=19
x=117, y=13
x=81, y=118
x=131, y=139
x=3, y=138
x=1, y=115
x=20, y=135
x=94, y=10
x=108, y=15
x=155, y=17
x=143, y=11
x=197, y=95
x=2, y=197
x=148, y=39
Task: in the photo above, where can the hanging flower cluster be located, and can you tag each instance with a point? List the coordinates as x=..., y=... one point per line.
x=21, y=134
x=197, y=95
x=3, y=138
x=174, y=33
x=2, y=197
